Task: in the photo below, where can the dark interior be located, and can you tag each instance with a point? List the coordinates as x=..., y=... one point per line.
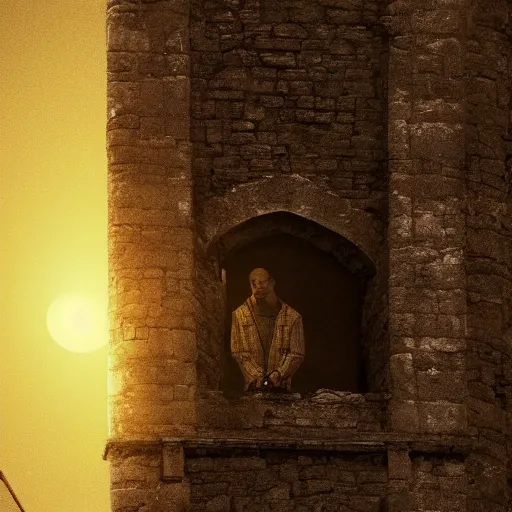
x=329, y=297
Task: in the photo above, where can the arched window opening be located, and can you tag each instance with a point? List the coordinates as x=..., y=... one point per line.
x=321, y=275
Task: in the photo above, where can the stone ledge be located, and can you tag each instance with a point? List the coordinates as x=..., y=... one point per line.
x=218, y=444
x=353, y=443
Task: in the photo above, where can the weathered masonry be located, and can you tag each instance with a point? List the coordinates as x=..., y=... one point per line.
x=361, y=150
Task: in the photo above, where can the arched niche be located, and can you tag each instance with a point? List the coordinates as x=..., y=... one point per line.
x=295, y=194
x=320, y=274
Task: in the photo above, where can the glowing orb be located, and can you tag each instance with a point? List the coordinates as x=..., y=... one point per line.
x=78, y=323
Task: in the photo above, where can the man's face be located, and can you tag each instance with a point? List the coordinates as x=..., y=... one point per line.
x=261, y=283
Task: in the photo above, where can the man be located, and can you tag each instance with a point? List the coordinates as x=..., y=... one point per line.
x=267, y=339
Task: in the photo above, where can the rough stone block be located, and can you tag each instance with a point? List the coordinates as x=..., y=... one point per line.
x=434, y=384
x=403, y=377
x=293, y=30
x=177, y=106
x=184, y=345
x=442, y=417
x=124, y=499
x=437, y=141
x=218, y=504
x=173, y=462
x=399, y=465
x=485, y=415
x=403, y=416
x=279, y=60
x=123, y=99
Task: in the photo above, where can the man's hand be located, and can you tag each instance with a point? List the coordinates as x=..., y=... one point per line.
x=274, y=379
x=256, y=383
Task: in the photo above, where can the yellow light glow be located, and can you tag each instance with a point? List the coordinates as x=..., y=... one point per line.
x=78, y=323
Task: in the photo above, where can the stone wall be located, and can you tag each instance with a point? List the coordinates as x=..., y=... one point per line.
x=288, y=87
x=488, y=259
x=136, y=481
x=438, y=483
x=152, y=366
x=286, y=481
x=426, y=216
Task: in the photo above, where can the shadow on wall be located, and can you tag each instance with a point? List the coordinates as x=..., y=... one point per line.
x=329, y=297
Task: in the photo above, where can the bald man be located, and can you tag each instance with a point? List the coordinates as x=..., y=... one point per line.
x=267, y=338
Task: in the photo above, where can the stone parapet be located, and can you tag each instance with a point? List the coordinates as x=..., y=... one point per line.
x=325, y=413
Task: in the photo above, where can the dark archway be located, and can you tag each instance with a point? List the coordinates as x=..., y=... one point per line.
x=317, y=272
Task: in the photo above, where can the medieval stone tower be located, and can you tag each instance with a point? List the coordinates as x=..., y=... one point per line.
x=361, y=150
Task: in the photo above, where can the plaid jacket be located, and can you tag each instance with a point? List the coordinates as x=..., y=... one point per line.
x=286, y=350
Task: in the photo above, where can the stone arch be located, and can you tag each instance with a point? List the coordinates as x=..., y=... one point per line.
x=295, y=195
x=281, y=222
x=276, y=208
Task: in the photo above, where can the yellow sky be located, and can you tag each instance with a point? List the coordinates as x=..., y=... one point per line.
x=53, y=228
